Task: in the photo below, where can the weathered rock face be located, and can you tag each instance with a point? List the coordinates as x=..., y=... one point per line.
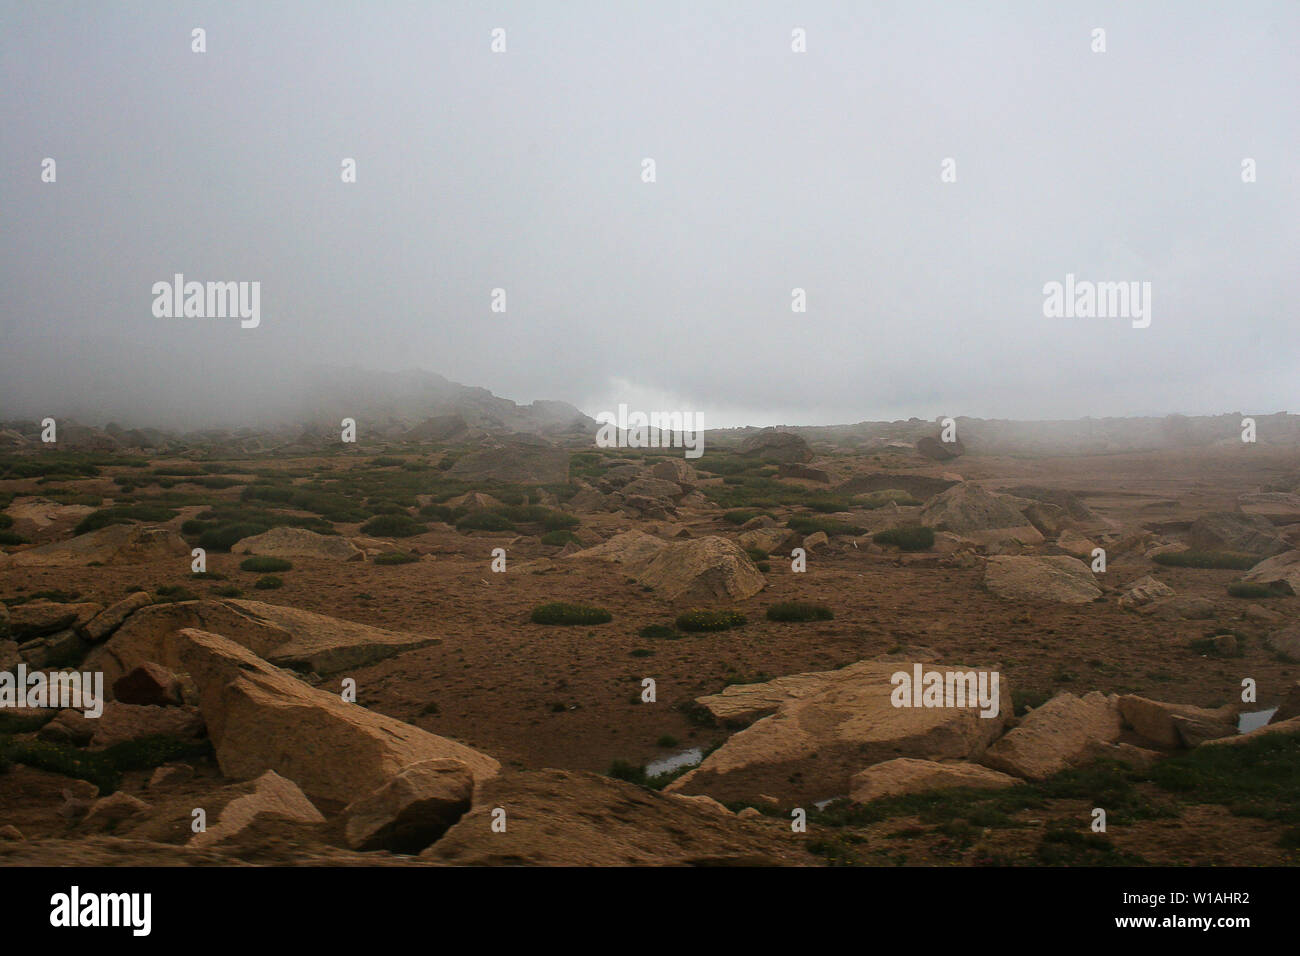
x=826, y=726
x=768, y=539
x=282, y=635
x=1282, y=570
x=1047, y=519
x=115, y=544
x=937, y=450
x=1186, y=607
x=412, y=810
x=1290, y=706
x=903, y=775
x=678, y=471
x=283, y=542
x=1066, y=500
x=1234, y=531
x=1076, y=545
x=519, y=462
x=148, y=684
x=1056, y=578
x=259, y=718
x=773, y=445
x=635, y=549
x=110, y=619
x=1176, y=725
x=575, y=818
x=1278, y=507
x=1291, y=726
x=653, y=488
x=38, y=618
x=1286, y=640
x=1145, y=590
x=1056, y=736
x=969, y=510
x=122, y=722
x=231, y=810
x=702, y=570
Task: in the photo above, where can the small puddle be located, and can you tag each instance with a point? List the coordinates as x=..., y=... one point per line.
x=687, y=758
x=1254, y=720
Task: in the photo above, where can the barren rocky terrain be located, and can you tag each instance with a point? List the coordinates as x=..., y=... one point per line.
x=370, y=669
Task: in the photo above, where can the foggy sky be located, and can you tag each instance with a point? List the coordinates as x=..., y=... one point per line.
x=775, y=170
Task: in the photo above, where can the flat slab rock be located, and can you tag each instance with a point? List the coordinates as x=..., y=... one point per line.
x=827, y=726
x=904, y=775
x=285, y=542
x=285, y=636
x=1057, y=578
x=115, y=544
x=1056, y=736
x=576, y=818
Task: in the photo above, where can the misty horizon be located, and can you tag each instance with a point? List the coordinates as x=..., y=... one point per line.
x=821, y=171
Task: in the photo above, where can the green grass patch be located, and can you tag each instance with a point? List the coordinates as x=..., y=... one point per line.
x=394, y=526
x=558, y=612
x=396, y=557
x=799, y=611
x=914, y=538
x=262, y=564
x=1226, y=560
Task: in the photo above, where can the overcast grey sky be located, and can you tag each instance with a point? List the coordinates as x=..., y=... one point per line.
x=775, y=170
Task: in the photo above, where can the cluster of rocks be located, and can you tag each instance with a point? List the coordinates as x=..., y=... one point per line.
x=656, y=492
x=827, y=734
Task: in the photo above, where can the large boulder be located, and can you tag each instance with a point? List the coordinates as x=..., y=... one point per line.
x=1236, y=532
x=410, y=811
x=772, y=445
x=1282, y=571
x=111, y=618
x=703, y=570
x=1066, y=500
x=937, y=450
x=576, y=818
x=678, y=471
x=38, y=618
x=1145, y=590
x=285, y=636
x=1286, y=640
x=1176, y=725
x=970, y=511
x=826, y=726
x=903, y=775
x=115, y=544
x=1056, y=736
x=283, y=542
x=633, y=549
x=1057, y=578
x=260, y=718
x=230, y=811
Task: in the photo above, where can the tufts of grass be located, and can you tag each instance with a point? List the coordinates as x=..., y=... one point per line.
x=1241, y=589
x=485, y=521
x=396, y=557
x=1207, y=559
x=799, y=611
x=394, y=526
x=261, y=564
x=915, y=538
x=268, y=583
x=702, y=620
x=805, y=524
x=559, y=612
